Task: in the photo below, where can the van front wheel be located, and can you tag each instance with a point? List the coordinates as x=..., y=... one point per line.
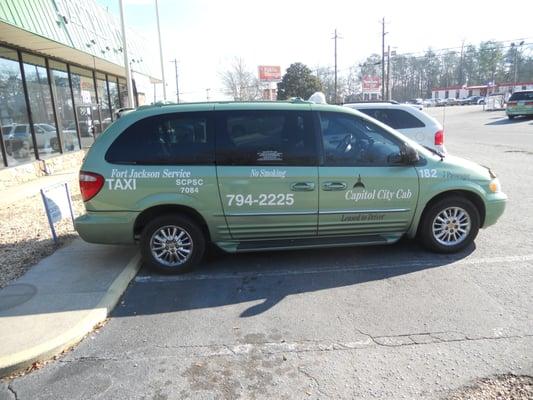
x=450, y=225
x=172, y=244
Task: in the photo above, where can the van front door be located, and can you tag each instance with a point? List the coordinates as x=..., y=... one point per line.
x=361, y=191
x=267, y=173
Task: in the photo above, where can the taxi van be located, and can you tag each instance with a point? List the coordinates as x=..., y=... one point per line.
x=520, y=103
x=268, y=176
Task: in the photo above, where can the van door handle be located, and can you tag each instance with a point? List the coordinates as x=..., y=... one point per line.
x=330, y=186
x=303, y=186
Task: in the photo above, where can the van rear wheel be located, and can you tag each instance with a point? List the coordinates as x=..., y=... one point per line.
x=450, y=225
x=172, y=244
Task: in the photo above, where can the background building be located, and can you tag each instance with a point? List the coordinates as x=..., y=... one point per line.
x=461, y=92
x=62, y=78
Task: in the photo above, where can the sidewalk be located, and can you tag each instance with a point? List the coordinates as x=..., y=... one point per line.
x=60, y=300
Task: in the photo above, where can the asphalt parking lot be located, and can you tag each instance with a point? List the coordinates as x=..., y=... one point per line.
x=378, y=322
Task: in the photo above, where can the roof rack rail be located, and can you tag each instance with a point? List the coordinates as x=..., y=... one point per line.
x=373, y=101
x=298, y=100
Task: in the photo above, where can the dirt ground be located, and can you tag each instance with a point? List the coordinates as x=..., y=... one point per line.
x=26, y=237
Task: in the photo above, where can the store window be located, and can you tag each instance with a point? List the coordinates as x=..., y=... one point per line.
x=13, y=111
x=123, y=92
x=64, y=106
x=113, y=94
x=103, y=99
x=86, y=105
x=42, y=111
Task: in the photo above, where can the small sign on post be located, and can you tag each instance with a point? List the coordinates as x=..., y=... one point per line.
x=57, y=204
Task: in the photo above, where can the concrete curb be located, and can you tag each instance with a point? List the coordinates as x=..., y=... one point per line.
x=24, y=359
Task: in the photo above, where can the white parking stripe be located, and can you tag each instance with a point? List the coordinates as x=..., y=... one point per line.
x=366, y=267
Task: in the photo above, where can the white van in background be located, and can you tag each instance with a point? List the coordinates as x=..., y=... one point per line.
x=413, y=123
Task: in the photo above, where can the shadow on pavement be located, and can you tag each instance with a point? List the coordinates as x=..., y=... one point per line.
x=269, y=277
x=507, y=121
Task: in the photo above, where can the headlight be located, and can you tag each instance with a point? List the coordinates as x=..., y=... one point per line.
x=495, y=186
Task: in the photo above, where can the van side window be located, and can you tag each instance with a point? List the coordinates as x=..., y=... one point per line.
x=178, y=139
x=349, y=140
x=397, y=119
x=266, y=138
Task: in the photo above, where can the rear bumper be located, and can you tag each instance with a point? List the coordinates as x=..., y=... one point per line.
x=519, y=111
x=495, y=206
x=106, y=227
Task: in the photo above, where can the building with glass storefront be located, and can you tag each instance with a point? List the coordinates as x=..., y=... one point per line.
x=61, y=76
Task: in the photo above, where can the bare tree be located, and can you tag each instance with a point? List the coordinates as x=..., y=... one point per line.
x=327, y=77
x=240, y=83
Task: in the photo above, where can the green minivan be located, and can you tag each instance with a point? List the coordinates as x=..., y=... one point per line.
x=268, y=176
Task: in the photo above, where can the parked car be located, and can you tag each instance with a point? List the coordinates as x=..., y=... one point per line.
x=20, y=136
x=520, y=103
x=473, y=99
x=428, y=103
x=19, y=141
x=451, y=101
x=161, y=179
x=413, y=123
x=440, y=102
x=87, y=128
x=416, y=103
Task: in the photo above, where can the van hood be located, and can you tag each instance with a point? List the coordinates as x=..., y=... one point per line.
x=471, y=168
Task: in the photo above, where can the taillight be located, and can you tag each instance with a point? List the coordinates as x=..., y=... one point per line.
x=512, y=103
x=90, y=184
x=439, y=138
x=529, y=103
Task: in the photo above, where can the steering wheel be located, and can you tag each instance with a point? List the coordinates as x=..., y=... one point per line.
x=345, y=145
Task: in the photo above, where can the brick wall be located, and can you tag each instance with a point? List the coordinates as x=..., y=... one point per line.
x=13, y=176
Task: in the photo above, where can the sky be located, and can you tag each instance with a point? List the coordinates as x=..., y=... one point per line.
x=206, y=36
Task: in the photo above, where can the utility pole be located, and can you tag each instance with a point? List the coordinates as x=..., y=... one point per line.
x=389, y=97
x=461, y=75
x=125, y=52
x=383, y=33
x=335, y=37
x=516, y=46
x=175, y=61
x=161, y=53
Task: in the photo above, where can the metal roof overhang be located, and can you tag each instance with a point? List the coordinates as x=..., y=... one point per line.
x=18, y=37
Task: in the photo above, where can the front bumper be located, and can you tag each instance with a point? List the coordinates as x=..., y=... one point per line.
x=494, y=208
x=106, y=227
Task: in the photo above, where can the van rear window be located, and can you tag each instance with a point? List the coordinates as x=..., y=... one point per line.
x=521, y=96
x=181, y=138
x=397, y=119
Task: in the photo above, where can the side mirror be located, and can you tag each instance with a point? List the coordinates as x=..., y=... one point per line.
x=406, y=156
x=410, y=155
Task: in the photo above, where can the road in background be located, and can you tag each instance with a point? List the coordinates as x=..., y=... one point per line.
x=377, y=322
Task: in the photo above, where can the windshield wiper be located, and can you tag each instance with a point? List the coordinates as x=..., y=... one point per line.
x=438, y=153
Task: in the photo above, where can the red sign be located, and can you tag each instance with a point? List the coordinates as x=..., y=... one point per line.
x=269, y=73
x=371, y=83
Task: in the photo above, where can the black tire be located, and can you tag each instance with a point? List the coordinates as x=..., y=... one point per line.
x=510, y=116
x=192, y=234
x=426, y=231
